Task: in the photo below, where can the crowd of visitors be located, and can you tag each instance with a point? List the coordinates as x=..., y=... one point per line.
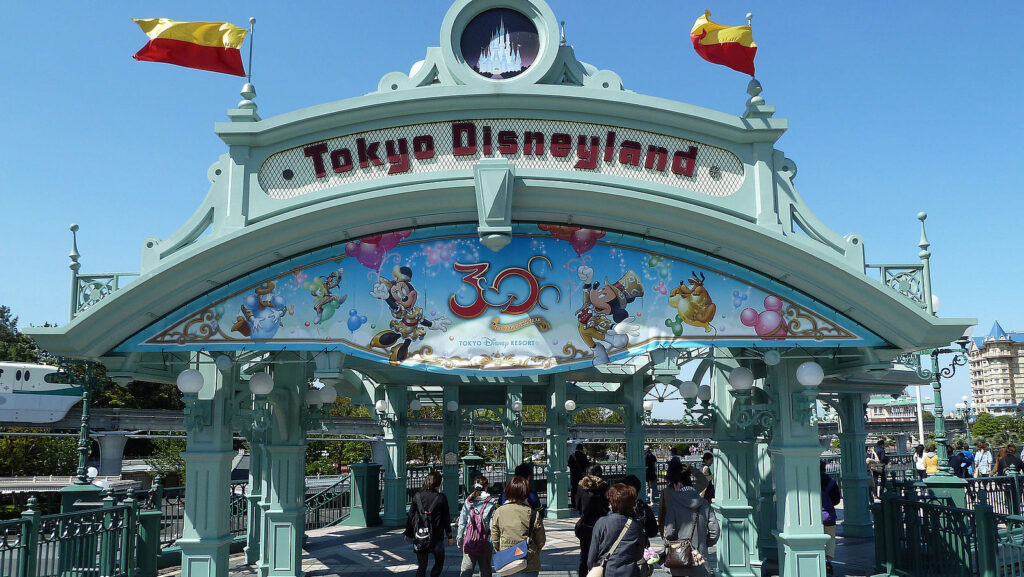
x=503, y=532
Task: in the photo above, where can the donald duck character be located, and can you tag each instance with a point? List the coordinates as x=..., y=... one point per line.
x=604, y=323
x=400, y=296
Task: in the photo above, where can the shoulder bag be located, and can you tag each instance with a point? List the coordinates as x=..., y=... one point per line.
x=598, y=570
x=513, y=560
x=681, y=554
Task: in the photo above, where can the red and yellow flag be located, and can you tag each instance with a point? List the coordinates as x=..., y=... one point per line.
x=212, y=46
x=731, y=46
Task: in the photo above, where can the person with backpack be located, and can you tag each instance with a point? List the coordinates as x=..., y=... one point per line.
x=428, y=524
x=642, y=512
x=525, y=470
x=831, y=495
x=516, y=521
x=474, y=533
x=675, y=464
x=592, y=505
x=618, y=542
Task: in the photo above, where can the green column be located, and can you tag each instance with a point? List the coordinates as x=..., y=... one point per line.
x=854, y=474
x=635, y=432
x=205, y=535
x=796, y=454
x=254, y=519
x=558, y=437
x=943, y=484
x=365, y=496
x=396, y=437
x=284, y=465
x=451, y=428
x=767, y=547
x=512, y=425
x=82, y=489
x=734, y=473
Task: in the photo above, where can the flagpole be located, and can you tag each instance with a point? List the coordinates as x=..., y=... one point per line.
x=252, y=36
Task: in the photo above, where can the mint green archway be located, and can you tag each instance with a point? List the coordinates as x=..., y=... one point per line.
x=506, y=225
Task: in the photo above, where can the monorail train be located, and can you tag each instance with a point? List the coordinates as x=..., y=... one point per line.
x=31, y=393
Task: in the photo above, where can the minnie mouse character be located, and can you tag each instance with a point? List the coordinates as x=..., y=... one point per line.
x=604, y=323
x=407, y=327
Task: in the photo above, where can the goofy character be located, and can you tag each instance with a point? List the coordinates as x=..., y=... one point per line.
x=604, y=323
x=407, y=327
x=321, y=290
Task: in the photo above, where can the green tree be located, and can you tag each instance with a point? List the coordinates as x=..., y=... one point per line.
x=24, y=455
x=15, y=346
x=166, y=459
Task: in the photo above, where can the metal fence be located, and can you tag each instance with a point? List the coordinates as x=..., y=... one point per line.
x=13, y=546
x=329, y=506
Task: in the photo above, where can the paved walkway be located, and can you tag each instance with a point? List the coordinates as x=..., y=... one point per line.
x=382, y=552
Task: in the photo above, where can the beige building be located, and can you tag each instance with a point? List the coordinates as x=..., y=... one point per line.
x=997, y=366
x=889, y=409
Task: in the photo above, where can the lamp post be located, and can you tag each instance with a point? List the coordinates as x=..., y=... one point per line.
x=82, y=487
x=935, y=374
x=966, y=412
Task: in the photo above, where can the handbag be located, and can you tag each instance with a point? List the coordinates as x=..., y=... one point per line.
x=513, y=560
x=598, y=570
x=680, y=554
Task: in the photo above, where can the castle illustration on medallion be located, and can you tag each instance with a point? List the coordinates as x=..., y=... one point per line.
x=500, y=43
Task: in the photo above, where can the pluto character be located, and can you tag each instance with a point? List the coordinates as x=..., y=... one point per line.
x=604, y=323
x=407, y=327
x=321, y=291
x=693, y=303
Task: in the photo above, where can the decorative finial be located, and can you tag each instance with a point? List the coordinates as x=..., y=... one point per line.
x=74, y=255
x=750, y=16
x=248, y=93
x=562, y=42
x=33, y=503
x=756, y=107
x=923, y=244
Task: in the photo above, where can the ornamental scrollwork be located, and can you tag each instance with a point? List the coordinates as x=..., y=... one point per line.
x=801, y=322
x=908, y=282
x=92, y=291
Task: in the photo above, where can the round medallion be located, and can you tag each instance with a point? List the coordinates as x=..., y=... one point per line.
x=500, y=43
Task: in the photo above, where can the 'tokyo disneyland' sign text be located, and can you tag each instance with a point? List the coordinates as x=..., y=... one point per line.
x=541, y=144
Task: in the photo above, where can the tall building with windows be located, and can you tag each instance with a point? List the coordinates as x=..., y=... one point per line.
x=997, y=369
x=894, y=409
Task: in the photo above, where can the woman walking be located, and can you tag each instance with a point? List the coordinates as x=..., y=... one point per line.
x=511, y=523
x=592, y=505
x=428, y=524
x=919, y=465
x=618, y=542
x=474, y=532
x=931, y=460
x=688, y=516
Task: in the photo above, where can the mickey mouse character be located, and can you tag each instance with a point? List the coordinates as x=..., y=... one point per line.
x=407, y=327
x=604, y=323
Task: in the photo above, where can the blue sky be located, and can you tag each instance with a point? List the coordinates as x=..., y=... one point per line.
x=893, y=109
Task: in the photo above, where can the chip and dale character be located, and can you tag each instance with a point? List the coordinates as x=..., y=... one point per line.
x=400, y=296
x=604, y=323
x=693, y=303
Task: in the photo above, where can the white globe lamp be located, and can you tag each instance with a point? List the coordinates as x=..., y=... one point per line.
x=741, y=379
x=415, y=404
x=328, y=395
x=772, y=357
x=936, y=304
x=189, y=381
x=91, y=472
x=261, y=384
x=381, y=406
x=312, y=397
x=704, y=392
x=453, y=406
x=688, y=390
x=223, y=363
x=570, y=405
x=648, y=405
x=810, y=374
x=517, y=406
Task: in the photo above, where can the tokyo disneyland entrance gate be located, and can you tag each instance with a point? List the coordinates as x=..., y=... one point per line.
x=508, y=226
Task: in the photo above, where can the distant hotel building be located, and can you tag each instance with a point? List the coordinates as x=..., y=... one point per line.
x=886, y=409
x=997, y=365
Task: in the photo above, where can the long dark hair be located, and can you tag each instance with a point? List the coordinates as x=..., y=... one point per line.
x=919, y=450
x=432, y=481
x=479, y=486
x=594, y=470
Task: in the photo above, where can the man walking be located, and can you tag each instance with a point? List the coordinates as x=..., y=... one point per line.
x=651, y=465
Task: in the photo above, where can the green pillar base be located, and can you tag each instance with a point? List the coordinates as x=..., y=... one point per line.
x=804, y=554
x=945, y=485
x=395, y=513
x=558, y=483
x=205, y=557
x=849, y=529
x=286, y=532
x=72, y=494
x=733, y=549
x=365, y=496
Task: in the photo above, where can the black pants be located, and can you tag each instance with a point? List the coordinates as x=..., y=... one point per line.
x=423, y=557
x=584, y=533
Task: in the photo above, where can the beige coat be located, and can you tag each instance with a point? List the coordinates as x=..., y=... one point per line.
x=509, y=526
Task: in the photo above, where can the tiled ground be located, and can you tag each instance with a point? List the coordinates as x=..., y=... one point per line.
x=382, y=552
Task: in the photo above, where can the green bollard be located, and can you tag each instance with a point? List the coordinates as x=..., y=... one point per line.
x=985, y=522
x=28, y=559
x=108, y=548
x=147, y=550
x=129, y=556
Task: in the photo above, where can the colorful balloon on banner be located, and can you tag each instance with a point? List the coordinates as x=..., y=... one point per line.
x=768, y=324
x=355, y=320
